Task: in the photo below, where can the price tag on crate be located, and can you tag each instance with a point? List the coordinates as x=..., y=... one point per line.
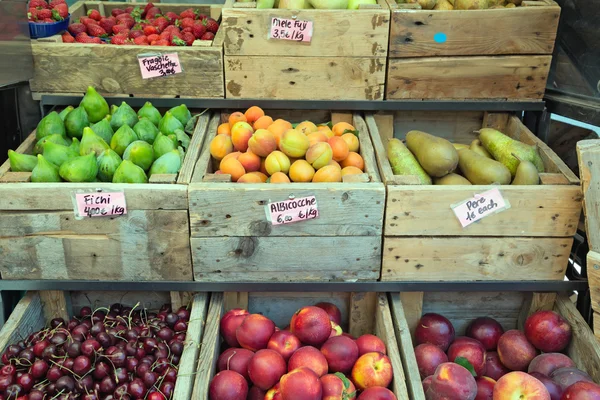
x=157, y=65
x=99, y=204
x=292, y=210
x=480, y=206
x=291, y=29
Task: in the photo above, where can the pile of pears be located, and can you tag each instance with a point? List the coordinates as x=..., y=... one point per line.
x=95, y=143
x=464, y=4
x=493, y=158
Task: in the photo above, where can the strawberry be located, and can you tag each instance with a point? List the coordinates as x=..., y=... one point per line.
x=107, y=24
x=117, y=11
x=48, y=20
x=153, y=37
x=135, y=33
x=44, y=13
x=88, y=21
x=32, y=14
x=186, y=23
x=202, y=17
x=94, y=14
x=123, y=17
x=150, y=30
x=77, y=28
x=117, y=29
x=129, y=9
x=148, y=6
x=166, y=36
x=56, y=15
x=187, y=30
x=178, y=41
x=118, y=39
x=189, y=38
x=198, y=30
x=62, y=10
x=38, y=4
x=189, y=13
x=160, y=42
x=67, y=38
x=171, y=16
x=129, y=23
x=171, y=28
x=141, y=41
x=83, y=38
x=55, y=2
x=153, y=13
x=211, y=25
x=208, y=36
x=160, y=23
x=96, y=31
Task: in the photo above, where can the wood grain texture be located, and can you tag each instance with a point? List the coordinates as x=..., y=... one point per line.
x=593, y=272
x=524, y=30
x=478, y=77
x=475, y=258
x=278, y=259
x=534, y=303
x=54, y=305
x=144, y=245
x=194, y=149
x=233, y=300
x=412, y=303
x=589, y=166
x=96, y=299
x=293, y=78
x=541, y=211
x=366, y=147
x=362, y=307
x=336, y=33
x=27, y=317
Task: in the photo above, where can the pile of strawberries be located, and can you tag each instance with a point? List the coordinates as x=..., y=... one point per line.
x=148, y=26
x=42, y=12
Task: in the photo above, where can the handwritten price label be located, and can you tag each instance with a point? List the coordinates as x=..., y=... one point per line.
x=290, y=29
x=88, y=205
x=479, y=206
x=295, y=210
x=157, y=65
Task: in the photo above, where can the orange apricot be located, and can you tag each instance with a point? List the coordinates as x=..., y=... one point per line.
x=236, y=117
x=329, y=173
x=351, y=171
x=352, y=141
x=301, y=171
x=253, y=114
x=235, y=154
x=306, y=127
x=339, y=147
x=234, y=168
x=335, y=163
x=277, y=162
x=263, y=177
x=224, y=129
x=220, y=146
x=250, y=178
x=250, y=161
x=241, y=132
x=262, y=143
x=285, y=123
x=263, y=122
x=316, y=137
x=319, y=155
x=294, y=143
x=263, y=167
x=353, y=160
x=341, y=127
x=279, y=177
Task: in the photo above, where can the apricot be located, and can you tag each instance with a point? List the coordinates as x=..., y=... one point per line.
x=263, y=168
x=241, y=132
x=253, y=114
x=306, y=127
x=235, y=154
x=262, y=143
x=234, y=168
x=236, y=117
x=277, y=129
x=263, y=178
x=329, y=173
x=351, y=171
x=341, y=127
x=319, y=155
x=279, y=177
x=301, y=171
x=224, y=129
x=220, y=146
x=317, y=137
x=294, y=143
x=352, y=141
x=326, y=131
x=353, y=160
x=249, y=178
x=250, y=161
x=335, y=163
x=285, y=123
x=339, y=147
x=277, y=162
x=262, y=123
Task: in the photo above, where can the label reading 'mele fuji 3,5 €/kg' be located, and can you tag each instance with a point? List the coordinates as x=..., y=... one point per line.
x=293, y=210
x=480, y=206
x=291, y=29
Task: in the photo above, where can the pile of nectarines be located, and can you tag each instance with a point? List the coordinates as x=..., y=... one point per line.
x=311, y=359
x=253, y=148
x=489, y=363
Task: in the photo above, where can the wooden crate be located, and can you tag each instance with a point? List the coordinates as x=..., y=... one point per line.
x=41, y=239
x=471, y=54
x=37, y=309
x=362, y=313
x=346, y=59
x=69, y=68
x=423, y=239
x=233, y=241
x=509, y=308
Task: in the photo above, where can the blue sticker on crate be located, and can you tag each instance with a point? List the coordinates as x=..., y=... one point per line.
x=440, y=37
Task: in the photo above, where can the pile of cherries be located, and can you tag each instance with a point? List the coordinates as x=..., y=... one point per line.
x=119, y=353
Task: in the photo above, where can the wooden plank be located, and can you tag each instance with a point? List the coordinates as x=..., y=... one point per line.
x=525, y=30
x=593, y=272
x=356, y=178
x=544, y=211
x=366, y=148
x=233, y=300
x=180, y=299
x=142, y=246
x=291, y=78
x=98, y=299
x=26, y=317
x=278, y=259
x=498, y=121
x=200, y=167
x=457, y=127
x=163, y=178
x=553, y=179
x=377, y=137
x=405, y=345
x=475, y=258
x=193, y=339
x=54, y=305
x=194, y=149
x=412, y=303
x=338, y=33
x=363, y=306
x=589, y=161
x=499, y=77
x=16, y=177
x=343, y=117
x=534, y=303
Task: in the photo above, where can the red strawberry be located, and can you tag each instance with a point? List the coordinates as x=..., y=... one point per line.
x=96, y=31
x=171, y=16
x=150, y=30
x=118, y=39
x=186, y=23
x=208, y=36
x=135, y=33
x=189, y=13
x=171, y=28
x=188, y=30
x=107, y=24
x=166, y=36
x=153, y=37
x=94, y=14
x=189, y=38
x=62, y=9
x=117, y=29
x=87, y=21
x=211, y=25
x=160, y=23
x=76, y=28
x=128, y=22
x=198, y=30
x=148, y=6
x=129, y=9
x=202, y=17
x=32, y=14
x=48, y=20
x=67, y=38
x=178, y=41
x=160, y=42
x=153, y=12
x=82, y=38
x=124, y=17
x=38, y=4
x=117, y=11
x=44, y=13
x=55, y=2
x=141, y=41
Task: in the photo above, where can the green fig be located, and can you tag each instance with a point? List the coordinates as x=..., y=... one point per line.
x=113, y=109
x=123, y=116
x=182, y=138
x=49, y=125
x=91, y=143
x=75, y=121
x=168, y=163
x=181, y=113
x=150, y=112
x=21, y=162
x=80, y=169
x=63, y=114
x=108, y=162
x=140, y=153
x=146, y=130
x=94, y=104
x=55, y=138
x=102, y=128
x=163, y=144
x=128, y=172
x=168, y=124
x=45, y=171
x=57, y=154
x=122, y=138
x=75, y=145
